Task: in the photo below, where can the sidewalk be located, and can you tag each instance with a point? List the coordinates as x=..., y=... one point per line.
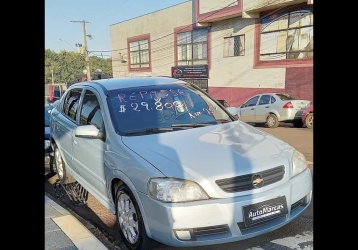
x=64, y=231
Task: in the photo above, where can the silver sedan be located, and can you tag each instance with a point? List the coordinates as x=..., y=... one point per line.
x=273, y=108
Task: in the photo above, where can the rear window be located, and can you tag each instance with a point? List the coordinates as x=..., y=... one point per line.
x=286, y=97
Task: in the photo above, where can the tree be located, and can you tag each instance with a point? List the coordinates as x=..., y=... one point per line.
x=67, y=65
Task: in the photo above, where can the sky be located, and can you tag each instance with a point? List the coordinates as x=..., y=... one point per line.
x=99, y=13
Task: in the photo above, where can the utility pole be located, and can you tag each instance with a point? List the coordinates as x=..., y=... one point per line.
x=53, y=80
x=86, y=48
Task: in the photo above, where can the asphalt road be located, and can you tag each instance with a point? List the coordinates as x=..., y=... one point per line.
x=296, y=235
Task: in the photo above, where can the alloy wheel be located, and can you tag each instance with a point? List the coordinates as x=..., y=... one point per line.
x=127, y=218
x=59, y=163
x=310, y=120
x=270, y=121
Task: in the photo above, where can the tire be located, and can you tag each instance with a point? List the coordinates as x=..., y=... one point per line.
x=130, y=221
x=298, y=124
x=309, y=120
x=272, y=121
x=60, y=167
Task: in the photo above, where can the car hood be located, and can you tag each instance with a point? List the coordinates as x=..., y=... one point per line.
x=210, y=153
x=47, y=133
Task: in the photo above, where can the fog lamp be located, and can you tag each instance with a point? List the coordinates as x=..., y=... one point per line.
x=183, y=234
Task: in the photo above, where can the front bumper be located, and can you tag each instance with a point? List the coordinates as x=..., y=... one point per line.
x=218, y=221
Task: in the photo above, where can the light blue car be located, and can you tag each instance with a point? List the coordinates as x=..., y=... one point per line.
x=174, y=165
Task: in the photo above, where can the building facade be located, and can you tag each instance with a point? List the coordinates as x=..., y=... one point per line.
x=231, y=49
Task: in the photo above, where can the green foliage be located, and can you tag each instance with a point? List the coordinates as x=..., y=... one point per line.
x=68, y=65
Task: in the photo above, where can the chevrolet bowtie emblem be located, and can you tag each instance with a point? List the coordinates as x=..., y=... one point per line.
x=257, y=180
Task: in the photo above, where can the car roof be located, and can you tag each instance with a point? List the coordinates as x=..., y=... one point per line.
x=270, y=93
x=128, y=82
x=273, y=93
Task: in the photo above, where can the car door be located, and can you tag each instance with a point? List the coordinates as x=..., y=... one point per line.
x=65, y=125
x=262, y=108
x=89, y=152
x=247, y=110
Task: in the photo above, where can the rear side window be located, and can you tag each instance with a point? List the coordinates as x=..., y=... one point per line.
x=70, y=105
x=287, y=97
x=272, y=99
x=91, y=111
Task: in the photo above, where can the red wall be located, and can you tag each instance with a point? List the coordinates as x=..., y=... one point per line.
x=298, y=81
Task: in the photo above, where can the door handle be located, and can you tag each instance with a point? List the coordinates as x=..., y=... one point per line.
x=267, y=107
x=252, y=109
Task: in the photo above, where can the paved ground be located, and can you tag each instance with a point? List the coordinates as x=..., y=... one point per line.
x=64, y=231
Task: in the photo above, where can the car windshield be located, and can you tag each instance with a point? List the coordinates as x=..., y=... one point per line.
x=287, y=97
x=162, y=108
x=47, y=115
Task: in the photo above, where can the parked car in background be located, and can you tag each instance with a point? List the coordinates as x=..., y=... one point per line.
x=49, y=167
x=273, y=108
x=173, y=165
x=307, y=117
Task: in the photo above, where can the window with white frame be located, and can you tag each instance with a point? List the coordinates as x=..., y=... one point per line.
x=234, y=46
x=139, y=54
x=193, y=47
x=287, y=35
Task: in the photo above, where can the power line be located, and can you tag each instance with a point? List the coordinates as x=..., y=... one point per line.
x=174, y=32
x=260, y=5
x=98, y=16
x=169, y=47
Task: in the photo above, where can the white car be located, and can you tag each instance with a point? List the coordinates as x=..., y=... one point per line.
x=273, y=108
x=174, y=165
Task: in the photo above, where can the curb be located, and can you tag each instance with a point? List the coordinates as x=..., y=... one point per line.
x=81, y=237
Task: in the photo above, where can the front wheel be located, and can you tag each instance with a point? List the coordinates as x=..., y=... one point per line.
x=130, y=221
x=272, y=121
x=309, y=120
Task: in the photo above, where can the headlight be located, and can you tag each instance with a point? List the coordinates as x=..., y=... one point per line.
x=47, y=144
x=175, y=190
x=298, y=163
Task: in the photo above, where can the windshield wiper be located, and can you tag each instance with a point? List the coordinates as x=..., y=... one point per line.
x=190, y=125
x=148, y=131
x=223, y=121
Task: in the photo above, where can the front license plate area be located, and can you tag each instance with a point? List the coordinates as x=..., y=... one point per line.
x=266, y=210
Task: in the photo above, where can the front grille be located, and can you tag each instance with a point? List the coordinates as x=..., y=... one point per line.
x=204, y=231
x=243, y=183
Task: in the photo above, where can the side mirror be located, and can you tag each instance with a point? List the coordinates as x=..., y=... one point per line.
x=88, y=131
x=232, y=110
x=242, y=106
